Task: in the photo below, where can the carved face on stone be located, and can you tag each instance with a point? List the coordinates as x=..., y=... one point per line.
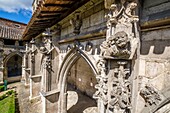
x=121, y=39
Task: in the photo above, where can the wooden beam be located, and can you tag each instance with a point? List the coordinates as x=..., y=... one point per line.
x=58, y=5
x=52, y=12
x=46, y=17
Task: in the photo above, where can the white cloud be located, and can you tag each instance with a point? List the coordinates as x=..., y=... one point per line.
x=14, y=6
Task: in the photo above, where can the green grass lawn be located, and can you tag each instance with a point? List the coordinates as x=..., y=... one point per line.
x=7, y=105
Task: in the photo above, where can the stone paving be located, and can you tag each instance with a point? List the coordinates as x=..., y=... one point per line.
x=77, y=101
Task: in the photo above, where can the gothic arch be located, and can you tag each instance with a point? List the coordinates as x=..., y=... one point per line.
x=72, y=56
x=11, y=55
x=6, y=64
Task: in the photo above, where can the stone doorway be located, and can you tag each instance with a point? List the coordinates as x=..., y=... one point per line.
x=80, y=88
x=14, y=66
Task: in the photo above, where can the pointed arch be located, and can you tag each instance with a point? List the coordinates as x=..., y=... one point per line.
x=13, y=66
x=71, y=57
x=11, y=55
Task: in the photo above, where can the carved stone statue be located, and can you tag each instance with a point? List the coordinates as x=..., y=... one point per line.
x=150, y=95
x=116, y=46
x=76, y=22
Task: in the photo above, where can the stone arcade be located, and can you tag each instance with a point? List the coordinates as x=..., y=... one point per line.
x=95, y=56
x=11, y=50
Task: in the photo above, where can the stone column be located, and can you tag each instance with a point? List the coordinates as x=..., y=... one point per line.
x=24, y=66
x=32, y=65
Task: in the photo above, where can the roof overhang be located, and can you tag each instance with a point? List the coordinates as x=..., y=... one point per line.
x=48, y=13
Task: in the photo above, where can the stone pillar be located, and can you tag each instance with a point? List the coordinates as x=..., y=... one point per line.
x=24, y=64
x=115, y=88
x=32, y=66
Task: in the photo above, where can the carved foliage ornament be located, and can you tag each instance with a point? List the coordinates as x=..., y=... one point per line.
x=102, y=79
x=120, y=94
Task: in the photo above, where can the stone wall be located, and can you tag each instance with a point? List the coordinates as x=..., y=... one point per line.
x=155, y=61
x=140, y=77
x=82, y=77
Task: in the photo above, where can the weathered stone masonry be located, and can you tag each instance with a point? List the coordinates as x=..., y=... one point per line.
x=113, y=51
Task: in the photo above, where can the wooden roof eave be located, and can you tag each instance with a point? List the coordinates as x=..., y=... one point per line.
x=54, y=19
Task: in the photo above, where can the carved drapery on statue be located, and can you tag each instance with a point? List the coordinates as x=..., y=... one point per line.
x=46, y=49
x=115, y=83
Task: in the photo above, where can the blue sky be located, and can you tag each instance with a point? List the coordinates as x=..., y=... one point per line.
x=17, y=10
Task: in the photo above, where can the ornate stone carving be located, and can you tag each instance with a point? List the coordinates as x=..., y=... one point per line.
x=102, y=88
x=120, y=94
x=116, y=46
x=76, y=22
x=48, y=63
x=121, y=35
x=150, y=95
x=114, y=88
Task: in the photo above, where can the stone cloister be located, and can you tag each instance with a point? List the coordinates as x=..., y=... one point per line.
x=105, y=50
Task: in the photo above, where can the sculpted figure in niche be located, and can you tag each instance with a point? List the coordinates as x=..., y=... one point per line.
x=113, y=14
x=116, y=46
x=77, y=23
